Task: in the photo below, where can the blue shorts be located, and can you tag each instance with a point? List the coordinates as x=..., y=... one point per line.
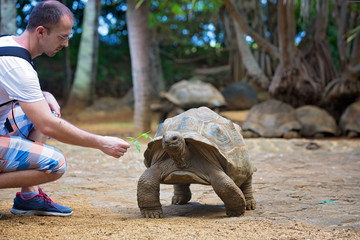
x=18, y=153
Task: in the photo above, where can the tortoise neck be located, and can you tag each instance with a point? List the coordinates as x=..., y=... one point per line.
x=180, y=156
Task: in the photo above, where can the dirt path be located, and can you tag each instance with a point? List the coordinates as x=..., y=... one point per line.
x=300, y=193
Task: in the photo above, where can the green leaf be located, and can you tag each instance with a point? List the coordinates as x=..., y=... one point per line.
x=139, y=4
x=352, y=34
x=135, y=142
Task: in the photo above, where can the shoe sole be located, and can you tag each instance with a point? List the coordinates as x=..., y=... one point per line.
x=39, y=213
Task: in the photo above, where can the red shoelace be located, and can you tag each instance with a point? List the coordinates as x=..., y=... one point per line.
x=46, y=197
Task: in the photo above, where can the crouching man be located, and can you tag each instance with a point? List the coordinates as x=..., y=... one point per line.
x=27, y=115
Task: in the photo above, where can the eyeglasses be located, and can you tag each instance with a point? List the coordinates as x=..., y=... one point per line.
x=61, y=36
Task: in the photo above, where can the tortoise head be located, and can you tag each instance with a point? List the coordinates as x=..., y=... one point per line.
x=174, y=144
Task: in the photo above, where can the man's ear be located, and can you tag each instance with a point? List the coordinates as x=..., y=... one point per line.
x=40, y=31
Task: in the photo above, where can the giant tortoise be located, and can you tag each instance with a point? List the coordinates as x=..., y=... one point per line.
x=350, y=120
x=186, y=94
x=271, y=118
x=240, y=96
x=316, y=122
x=197, y=146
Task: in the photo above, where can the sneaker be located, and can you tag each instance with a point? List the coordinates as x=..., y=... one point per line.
x=40, y=205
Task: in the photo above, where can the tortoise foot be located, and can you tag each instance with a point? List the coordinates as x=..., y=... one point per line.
x=151, y=213
x=250, y=204
x=235, y=212
x=250, y=134
x=291, y=134
x=180, y=199
x=352, y=134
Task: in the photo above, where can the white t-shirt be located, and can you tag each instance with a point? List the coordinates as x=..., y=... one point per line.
x=18, y=80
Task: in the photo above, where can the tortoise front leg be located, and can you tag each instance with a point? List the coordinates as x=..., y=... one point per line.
x=182, y=194
x=229, y=193
x=246, y=188
x=148, y=194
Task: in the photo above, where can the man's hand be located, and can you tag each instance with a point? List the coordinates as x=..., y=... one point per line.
x=114, y=146
x=53, y=104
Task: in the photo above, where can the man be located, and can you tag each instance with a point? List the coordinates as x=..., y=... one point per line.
x=24, y=160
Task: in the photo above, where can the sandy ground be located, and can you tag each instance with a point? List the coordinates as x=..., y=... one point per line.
x=300, y=194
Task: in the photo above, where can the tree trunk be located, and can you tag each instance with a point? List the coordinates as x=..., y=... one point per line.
x=95, y=56
x=250, y=63
x=285, y=42
x=255, y=72
x=341, y=13
x=8, y=17
x=137, y=23
x=81, y=91
x=237, y=70
x=157, y=78
x=317, y=51
x=267, y=46
x=345, y=89
x=294, y=81
x=67, y=77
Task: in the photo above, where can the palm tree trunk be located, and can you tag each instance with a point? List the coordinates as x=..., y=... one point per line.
x=8, y=17
x=81, y=91
x=157, y=77
x=137, y=22
x=67, y=71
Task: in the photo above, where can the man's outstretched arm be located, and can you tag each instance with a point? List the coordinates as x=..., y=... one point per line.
x=40, y=114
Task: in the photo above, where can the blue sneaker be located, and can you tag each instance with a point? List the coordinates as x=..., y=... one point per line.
x=40, y=205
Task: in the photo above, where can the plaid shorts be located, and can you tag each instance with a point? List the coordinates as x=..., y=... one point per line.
x=18, y=153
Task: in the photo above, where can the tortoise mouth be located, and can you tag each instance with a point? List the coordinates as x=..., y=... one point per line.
x=185, y=177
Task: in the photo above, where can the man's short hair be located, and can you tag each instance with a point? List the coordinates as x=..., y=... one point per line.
x=48, y=14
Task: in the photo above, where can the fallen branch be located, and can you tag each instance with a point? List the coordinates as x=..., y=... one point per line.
x=212, y=70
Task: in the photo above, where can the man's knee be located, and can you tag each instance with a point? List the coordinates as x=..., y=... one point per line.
x=58, y=165
x=56, y=176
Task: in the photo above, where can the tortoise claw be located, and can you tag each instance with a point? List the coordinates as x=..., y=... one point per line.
x=180, y=199
x=235, y=212
x=152, y=213
x=251, y=204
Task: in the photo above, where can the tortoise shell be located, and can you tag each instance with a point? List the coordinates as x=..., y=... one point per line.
x=240, y=95
x=193, y=94
x=350, y=119
x=271, y=118
x=315, y=120
x=201, y=126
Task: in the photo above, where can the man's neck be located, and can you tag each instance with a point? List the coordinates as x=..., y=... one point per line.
x=28, y=41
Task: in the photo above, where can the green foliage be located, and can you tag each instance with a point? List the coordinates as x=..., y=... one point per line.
x=136, y=142
x=331, y=33
x=182, y=28
x=178, y=21
x=114, y=70
x=353, y=33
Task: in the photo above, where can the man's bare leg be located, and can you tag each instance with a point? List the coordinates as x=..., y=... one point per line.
x=28, y=180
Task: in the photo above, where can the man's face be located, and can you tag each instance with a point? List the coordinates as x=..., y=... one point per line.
x=57, y=37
